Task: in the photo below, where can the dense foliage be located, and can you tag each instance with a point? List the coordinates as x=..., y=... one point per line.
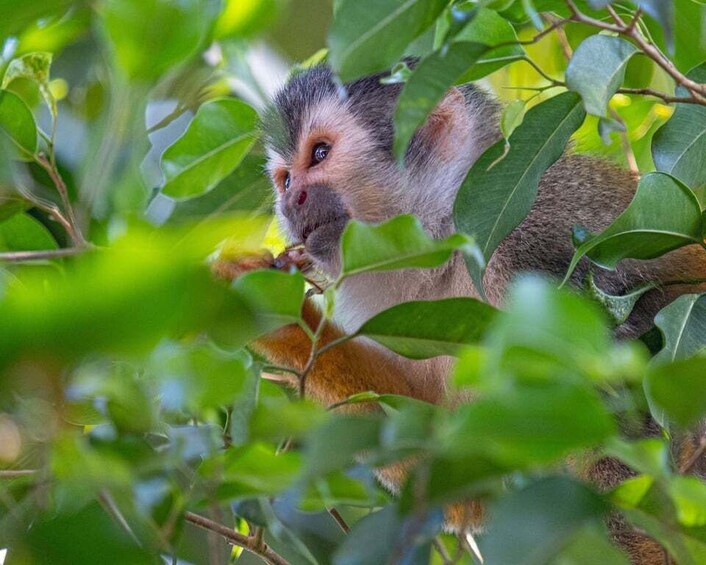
x=135, y=426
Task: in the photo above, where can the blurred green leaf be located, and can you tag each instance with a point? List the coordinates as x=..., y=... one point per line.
x=530, y=425
x=541, y=520
x=276, y=298
x=123, y=299
x=663, y=215
x=17, y=123
x=597, y=69
x=148, y=37
x=679, y=388
x=426, y=87
x=217, y=139
x=400, y=243
x=679, y=145
x=589, y=542
x=420, y=330
x=689, y=496
x=251, y=470
x=244, y=18
x=52, y=539
x=18, y=13
x=333, y=445
x=683, y=325
x=497, y=195
x=22, y=232
x=370, y=35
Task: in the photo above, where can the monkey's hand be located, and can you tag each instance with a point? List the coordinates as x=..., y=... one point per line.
x=231, y=268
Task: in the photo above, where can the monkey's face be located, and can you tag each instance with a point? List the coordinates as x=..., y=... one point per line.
x=332, y=172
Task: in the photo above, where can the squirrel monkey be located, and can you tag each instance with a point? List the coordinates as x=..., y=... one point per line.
x=330, y=160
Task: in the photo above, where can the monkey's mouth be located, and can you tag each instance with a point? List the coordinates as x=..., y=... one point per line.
x=334, y=225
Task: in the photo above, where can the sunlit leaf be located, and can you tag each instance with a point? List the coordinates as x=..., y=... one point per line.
x=419, y=330
x=400, y=243
x=144, y=50
x=33, y=66
x=597, y=69
x=217, y=139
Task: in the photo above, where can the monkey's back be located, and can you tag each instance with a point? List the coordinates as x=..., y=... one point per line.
x=590, y=192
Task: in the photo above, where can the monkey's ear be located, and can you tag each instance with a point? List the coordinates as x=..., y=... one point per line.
x=448, y=124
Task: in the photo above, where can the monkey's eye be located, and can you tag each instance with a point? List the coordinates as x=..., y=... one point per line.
x=287, y=180
x=320, y=153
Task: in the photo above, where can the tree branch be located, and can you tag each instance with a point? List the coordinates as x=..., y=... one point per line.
x=252, y=544
x=631, y=30
x=22, y=256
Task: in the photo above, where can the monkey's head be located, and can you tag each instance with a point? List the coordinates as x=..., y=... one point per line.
x=331, y=159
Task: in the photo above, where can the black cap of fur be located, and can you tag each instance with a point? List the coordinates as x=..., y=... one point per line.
x=371, y=102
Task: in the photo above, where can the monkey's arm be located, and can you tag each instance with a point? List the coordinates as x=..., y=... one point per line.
x=345, y=369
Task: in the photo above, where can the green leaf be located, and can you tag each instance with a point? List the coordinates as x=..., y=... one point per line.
x=512, y=116
x=371, y=35
x=245, y=18
x=689, y=497
x=217, y=139
x=493, y=201
x=252, y=470
x=490, y=29
x=583, y=547
x=276, y=298
x=420, y=330
x=679, y=145
x=683, y=325
x=33, y=66
x=399, y=243
x=17, y=14
x=597, y=69
x=619, y=307
x=143, y=50
x=52, y=539
x=663, y=215
x=22, y=232
x=426, y=87
x=530, y=425
x=679, y=388
x=17, y=123
x=540, y=520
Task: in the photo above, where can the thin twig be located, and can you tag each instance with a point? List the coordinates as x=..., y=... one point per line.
x=15, y=474
x=625, y=142
x=22, y=256
x=249, y=543
x=112, y=509
x=50, y=167
x=631, y=30
x=441, y=550
x=336, y=515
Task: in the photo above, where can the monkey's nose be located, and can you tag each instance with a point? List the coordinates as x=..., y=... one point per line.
x=301, y=198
